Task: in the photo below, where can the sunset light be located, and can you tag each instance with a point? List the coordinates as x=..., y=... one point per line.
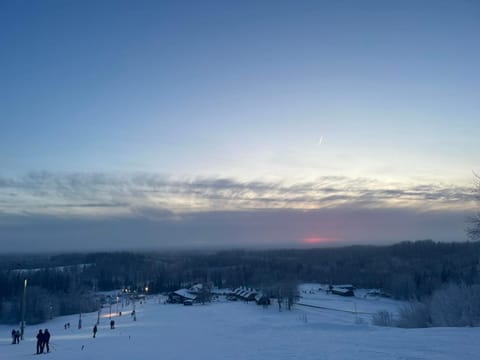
x=317, y=240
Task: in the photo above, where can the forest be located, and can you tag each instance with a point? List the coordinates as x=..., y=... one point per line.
x=62, y=284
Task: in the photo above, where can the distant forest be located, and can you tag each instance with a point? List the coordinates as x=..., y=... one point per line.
x=64, y=284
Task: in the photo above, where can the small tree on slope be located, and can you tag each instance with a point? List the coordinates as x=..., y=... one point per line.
x=474, y=228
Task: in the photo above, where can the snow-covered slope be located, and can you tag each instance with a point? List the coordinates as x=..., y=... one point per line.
x=236, y=330
x=361, y=304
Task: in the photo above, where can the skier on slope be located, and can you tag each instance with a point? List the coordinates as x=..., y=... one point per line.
x=40, y=341
x=46, y=337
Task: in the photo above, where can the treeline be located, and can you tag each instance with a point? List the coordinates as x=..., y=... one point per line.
x=49, y=293
x=66, y=283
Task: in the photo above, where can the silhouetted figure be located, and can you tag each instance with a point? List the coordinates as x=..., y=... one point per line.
x=46, y=337
x=17, y=336
x=95, y=331
x=112, y=324
x=14, y=334
x=40, y=342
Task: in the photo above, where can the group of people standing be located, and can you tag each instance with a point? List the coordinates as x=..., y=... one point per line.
x=15, y=336
x=43, y=337
x=43, y=340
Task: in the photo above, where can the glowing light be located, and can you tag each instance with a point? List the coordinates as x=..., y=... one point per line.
x=316, y=240
x=110, y=315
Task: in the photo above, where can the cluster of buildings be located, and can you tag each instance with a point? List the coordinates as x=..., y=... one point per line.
x=186, y=296
x=249, y=294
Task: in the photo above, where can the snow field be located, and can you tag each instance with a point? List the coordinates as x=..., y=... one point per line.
x=236, y=330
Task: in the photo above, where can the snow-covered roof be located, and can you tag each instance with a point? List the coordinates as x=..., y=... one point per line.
x=341, y=290
x=259, y=295
x=344, y=286
x=196, y=288
x=218, y=291
x=239, y=290
x=244, y=292
x=185, y=293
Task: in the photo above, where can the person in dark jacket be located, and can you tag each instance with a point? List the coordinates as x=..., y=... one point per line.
x=40, y=340
x=95, y=331
x=17, y=336
x=46, y=338
x=14, y=333
x=112, y=324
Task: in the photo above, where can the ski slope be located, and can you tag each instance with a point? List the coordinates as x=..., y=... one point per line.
x=237, y=330
x=361, y=304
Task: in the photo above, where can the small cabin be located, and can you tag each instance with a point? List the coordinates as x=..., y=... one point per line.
x=180, y=296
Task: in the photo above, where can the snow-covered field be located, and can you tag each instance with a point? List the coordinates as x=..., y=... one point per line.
x=236, y=330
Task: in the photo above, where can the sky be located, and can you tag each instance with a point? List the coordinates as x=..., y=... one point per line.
x=218, y=124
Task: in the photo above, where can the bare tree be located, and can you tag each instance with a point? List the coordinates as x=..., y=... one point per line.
x=204, y=293
x=474, y=228
x=285, y=291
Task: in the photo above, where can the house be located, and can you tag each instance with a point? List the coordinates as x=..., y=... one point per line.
x=262, y=299
x=180, y=296
x=346, y=287
x=342, y=291
x=244, y=293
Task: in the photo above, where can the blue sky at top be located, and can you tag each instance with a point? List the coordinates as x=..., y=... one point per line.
x=197, y=87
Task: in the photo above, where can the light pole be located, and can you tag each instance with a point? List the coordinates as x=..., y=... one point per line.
x=22, y=326
x=98, y=316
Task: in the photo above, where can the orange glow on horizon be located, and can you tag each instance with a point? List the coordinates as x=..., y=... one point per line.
x=317, y=240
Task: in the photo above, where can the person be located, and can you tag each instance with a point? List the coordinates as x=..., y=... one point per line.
x=17, y=336
x=46, y=337
x=112, y=324
x=14, y=333
x=95, y=331
x=40, y=340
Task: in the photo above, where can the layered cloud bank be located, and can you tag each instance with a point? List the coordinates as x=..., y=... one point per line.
x=110, y=194
x=49, y=211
